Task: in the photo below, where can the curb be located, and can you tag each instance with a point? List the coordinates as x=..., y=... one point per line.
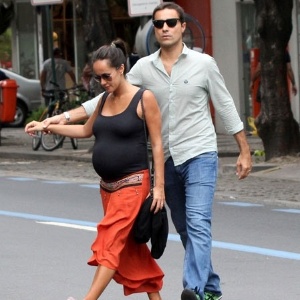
x=85, y=156
x=46, y=156
x=230, y=168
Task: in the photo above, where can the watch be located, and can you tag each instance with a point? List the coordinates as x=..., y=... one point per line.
x=67, y=116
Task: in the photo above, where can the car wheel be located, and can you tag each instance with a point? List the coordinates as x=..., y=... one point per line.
x=20, y=116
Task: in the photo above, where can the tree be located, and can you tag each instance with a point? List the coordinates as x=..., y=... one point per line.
x=275, y=123
x=97, y=23
x=6, y=14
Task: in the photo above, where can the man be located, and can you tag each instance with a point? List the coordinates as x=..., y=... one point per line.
x=183, y=81
x=62, y=67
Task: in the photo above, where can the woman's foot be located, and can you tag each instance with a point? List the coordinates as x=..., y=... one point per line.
x=154, y=296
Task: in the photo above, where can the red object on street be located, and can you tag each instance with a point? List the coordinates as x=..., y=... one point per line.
x=254, y=56
x=8, y=100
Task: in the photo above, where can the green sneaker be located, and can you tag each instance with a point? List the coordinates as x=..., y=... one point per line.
x=211, y=296
x=189, y=294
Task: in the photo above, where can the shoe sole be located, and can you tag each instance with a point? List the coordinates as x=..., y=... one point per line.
x=188, y=295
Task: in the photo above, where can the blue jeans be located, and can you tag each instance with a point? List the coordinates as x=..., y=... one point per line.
x=190, y=191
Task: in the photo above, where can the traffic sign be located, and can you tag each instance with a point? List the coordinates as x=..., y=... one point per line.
x=46, y=2
x=138, y=8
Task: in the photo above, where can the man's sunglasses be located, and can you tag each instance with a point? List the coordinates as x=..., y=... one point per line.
x=106, y=77
x=160, y=23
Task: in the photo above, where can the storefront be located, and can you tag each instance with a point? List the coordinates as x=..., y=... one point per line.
x=228, y=26
x=31, y=39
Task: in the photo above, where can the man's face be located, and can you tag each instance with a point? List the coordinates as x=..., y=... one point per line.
x=168, y=36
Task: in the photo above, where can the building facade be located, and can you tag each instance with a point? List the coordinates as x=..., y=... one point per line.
x=228, y=27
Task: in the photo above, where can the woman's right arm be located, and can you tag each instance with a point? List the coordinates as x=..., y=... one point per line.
x=73, y=131
x=75, y=115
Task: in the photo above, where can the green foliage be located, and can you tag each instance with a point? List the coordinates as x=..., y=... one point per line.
x=259, y=155
x=5, y=45
x=36, y=114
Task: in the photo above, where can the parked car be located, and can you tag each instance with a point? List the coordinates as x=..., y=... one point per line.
x=29, y=97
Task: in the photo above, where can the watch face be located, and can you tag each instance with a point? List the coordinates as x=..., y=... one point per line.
x=67, y=116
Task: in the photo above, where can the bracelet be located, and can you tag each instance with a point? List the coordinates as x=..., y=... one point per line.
x=67, y=116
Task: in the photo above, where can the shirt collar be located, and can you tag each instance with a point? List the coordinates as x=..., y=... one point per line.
x=156, y=55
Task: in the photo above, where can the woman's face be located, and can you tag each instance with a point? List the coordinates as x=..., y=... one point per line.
x=109, y=77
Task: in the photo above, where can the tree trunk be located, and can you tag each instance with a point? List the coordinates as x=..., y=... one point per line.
x=275, y=123
x=7, y=13
x=97, y=23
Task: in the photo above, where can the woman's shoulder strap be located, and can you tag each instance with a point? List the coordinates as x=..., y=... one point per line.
x=138, y=95
x=103, y=99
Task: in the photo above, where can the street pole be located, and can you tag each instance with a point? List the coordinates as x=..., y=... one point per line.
x=50, y=42
x=75, y=40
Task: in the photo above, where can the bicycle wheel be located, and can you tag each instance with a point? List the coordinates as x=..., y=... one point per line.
x=74, y=143
x=52, y=141
x=36, y=140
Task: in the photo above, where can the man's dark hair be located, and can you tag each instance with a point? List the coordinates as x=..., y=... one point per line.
x=57, y=52
x=170, y=5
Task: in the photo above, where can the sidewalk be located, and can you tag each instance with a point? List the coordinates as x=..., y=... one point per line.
x=15, y=144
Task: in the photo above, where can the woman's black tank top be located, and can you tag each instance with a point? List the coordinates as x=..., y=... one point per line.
x=120, y=145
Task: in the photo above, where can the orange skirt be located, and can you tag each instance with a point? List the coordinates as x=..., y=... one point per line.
x=114, y=246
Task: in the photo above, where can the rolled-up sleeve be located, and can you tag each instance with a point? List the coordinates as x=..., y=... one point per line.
x=90, y=105
x=222, y=100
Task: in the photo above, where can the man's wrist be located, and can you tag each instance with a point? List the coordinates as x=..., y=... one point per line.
x=67, y=116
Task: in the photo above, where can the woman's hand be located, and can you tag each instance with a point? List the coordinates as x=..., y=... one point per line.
x=158, y=199
x=33, y=126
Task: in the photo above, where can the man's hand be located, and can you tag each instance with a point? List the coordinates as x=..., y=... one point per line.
x=58, y=119
x=243, y=165
x=244, y=161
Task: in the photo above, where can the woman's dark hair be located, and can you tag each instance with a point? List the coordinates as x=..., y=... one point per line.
x=115, y=53
x=170, y=5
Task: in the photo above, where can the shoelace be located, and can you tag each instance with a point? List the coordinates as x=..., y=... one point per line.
x=197, y=292
x=210, y=296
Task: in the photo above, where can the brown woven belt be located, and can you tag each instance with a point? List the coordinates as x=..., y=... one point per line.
x=131, y=180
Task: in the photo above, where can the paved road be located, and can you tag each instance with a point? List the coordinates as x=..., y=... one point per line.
x=48, y=225
x=256, y=227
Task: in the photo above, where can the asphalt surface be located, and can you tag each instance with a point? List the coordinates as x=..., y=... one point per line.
x=261, y=227
x=272, y=182
x=47, y=227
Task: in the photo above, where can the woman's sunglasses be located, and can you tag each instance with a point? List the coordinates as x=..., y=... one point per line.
x=160, y=23
x=106, y=77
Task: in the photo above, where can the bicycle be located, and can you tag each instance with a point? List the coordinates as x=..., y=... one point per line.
x=36, y=138
x=60, y=100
